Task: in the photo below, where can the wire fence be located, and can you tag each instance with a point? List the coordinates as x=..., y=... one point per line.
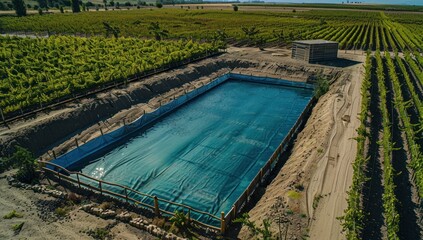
x=127, y=195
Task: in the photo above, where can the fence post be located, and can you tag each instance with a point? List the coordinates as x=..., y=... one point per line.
x=2, y=116
x=234, y=211
x=79, y=182
x=189, y=215
x=99, y=186
x=101, y=131
x=126, y=195
x=261, y=175
x=76, y=142
x=222, y=223
x=58, y=176
x=156, y=206
x=54, y=154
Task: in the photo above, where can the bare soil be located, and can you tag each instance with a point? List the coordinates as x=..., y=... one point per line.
x=41, y=222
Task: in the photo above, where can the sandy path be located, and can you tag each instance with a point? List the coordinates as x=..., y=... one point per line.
x=333, y=176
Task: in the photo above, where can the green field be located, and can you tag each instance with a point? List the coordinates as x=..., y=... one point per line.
x=352, y=29
x=378, y=7
x=68, y=71
x=38, y=71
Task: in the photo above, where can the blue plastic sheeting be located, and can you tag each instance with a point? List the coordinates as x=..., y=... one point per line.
x=206, y=152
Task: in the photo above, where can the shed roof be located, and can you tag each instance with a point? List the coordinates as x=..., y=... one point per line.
x=317, y=41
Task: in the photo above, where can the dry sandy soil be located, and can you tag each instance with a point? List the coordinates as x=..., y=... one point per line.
x=309, y=191
x=40, y=221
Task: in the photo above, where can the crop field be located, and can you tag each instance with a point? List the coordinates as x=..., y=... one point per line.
x=353, y=30
x=72, y=64
x=391, y=117
x=58, y=66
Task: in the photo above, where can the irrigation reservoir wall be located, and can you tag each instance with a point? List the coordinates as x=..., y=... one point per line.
x=206, y=157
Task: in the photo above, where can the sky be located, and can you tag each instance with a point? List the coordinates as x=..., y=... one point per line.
x=407, y=2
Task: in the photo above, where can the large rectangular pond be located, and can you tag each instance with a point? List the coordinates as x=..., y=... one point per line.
x=206, y=152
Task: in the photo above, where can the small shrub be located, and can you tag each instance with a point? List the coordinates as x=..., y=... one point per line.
x=17, y=227
x=13, y=214
x=322, y=87
x=316, y=200
x=61, y=211
x=179, y=222
x=235, y=7
x=294, y=194
x=99, y=233
x=159, y=5
x=255, y=230
x=25, y=162
x=289, y=212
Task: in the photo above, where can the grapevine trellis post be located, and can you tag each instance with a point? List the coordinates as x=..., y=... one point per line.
x=2, y=116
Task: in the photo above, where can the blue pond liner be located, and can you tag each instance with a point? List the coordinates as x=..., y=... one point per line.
x=201, y=150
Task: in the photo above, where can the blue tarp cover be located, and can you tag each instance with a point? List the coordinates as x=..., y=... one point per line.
x=203, y=154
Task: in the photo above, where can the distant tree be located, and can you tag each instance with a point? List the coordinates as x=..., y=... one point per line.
x=75, y=6
x=61, y=9
x=84, y=8
x=235, y=7
x=118, y=5
x=28, y=6
x=19, y=6
x=105, y=3
x=111, y=30
x=159, y=5
x=159, y=34
x=128, y=4
x=112, y=3
x=36, y=7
